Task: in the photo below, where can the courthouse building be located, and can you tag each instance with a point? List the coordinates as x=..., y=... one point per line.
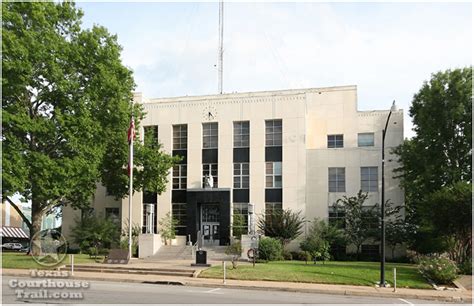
x=298, y=149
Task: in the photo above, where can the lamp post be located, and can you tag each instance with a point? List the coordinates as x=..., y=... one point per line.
x=382, y=209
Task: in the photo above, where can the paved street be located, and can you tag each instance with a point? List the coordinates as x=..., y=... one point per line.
x=127, y=293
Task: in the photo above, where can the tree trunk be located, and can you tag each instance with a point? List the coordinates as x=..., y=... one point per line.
x=36, y=216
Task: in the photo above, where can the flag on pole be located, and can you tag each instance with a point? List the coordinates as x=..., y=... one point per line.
x=131, y=136
x=131, y=130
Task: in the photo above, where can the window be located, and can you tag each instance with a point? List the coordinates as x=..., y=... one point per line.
x=209, y=169
x=369, y=179
x=336, y=217
x=271, y=208
x=113, y=213
x=179, y=176
x=178, y=212
x=242, y=209
x=149, y=214
x=336, y=141
x=151, y=135
x=337, y=179
x=241, y=134
x=241, y=175
x=273, y=177
x=365, y=139
x=273, y=133
x=370, y=250
x=209, y=135
x=180, y=137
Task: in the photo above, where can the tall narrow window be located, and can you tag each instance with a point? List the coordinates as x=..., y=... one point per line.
x=210, y=135
x=336, y=141
x=365, y=139
x=209, y=169
x=242, y=211
x=337, y=179
x=273, y=133
x=273, y=175
x=180, y=137
x=369, y=179
x=180, y=173
x=241, y=175
x=151, y=135
x=178, y=211
x=241, y=134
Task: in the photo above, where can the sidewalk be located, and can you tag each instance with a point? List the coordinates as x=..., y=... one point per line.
x=460, y=296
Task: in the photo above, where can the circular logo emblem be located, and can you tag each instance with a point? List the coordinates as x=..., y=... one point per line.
x=48, y=247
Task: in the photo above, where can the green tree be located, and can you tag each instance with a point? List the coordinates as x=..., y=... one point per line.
x=94, y=233
x=168, y=227
x=320, y=238
x=449, y=211
x=440, y=153
x=66, y=108
x=284, y=225
x=360, y=221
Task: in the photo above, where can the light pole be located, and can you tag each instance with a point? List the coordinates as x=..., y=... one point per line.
x=382, y=209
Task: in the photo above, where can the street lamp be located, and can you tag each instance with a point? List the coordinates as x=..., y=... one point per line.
x=382, y=213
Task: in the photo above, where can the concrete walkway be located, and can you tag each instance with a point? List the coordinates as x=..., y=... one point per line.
x=460, y=296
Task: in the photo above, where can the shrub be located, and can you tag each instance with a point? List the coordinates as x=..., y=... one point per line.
x=287, y=255
x=235, y=249
x=441, y=270
x=465, y=268
x=269, y=249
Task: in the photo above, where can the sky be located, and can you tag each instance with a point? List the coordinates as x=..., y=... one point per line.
x=387, y=49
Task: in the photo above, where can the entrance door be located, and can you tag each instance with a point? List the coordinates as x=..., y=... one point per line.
x=210, y=214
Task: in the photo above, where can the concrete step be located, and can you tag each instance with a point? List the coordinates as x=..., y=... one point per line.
x=121, y=269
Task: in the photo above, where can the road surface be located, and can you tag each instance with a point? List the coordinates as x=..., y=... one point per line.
x=100, y=292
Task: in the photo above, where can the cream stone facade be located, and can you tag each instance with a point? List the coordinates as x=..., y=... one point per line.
x=307, y=117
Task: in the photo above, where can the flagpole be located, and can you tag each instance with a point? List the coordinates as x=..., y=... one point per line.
x=130, y=190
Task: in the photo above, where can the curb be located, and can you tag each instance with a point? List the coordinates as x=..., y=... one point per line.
x=194, y=283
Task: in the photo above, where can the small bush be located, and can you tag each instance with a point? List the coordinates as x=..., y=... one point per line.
x=441, y=270
x=465, y=268
x=270, y=249
x=298, y=255
x=287, y=255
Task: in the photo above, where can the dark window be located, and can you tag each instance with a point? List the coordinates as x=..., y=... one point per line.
x=241, y=134
x=209, y=135
x=179, y=213
x=369, y=181
x=337, y=218
x=180, y=173
x=336, y=141
x=337, y=179
x=370, y=250
x=151, y=135
x=273, y=133
x=113, y=213
x=180, y=137
x=241, y=175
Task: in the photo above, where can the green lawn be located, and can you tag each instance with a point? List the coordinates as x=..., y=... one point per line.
x=15, y=260
x=332, y=272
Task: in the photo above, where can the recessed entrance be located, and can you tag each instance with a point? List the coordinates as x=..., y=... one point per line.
x=210, y=216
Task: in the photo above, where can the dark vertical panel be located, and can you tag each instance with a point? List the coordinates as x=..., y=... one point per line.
x=209, y=156
x=241, y=196
x=273, y=154
x=241, y=155
x=274, y=195
x=183, y=154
